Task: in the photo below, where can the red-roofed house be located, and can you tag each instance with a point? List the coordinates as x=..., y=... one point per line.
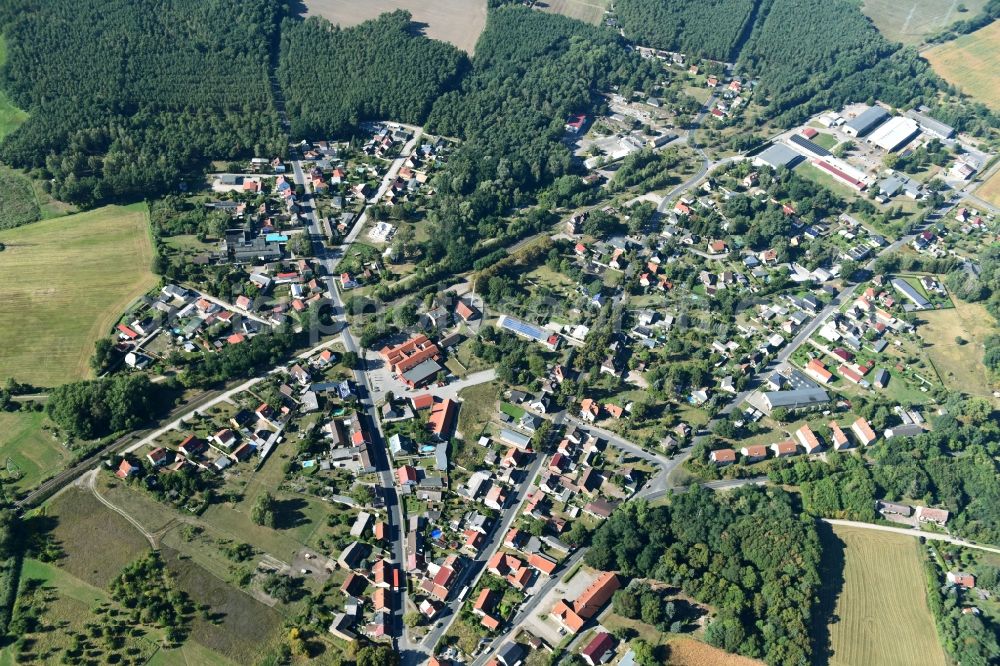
x=807, y=438
x=127, y=469
x=599, y=650
x=863, y=431
x=442, y=415
x=723, y=456
x=157, y=456
x=407, y=475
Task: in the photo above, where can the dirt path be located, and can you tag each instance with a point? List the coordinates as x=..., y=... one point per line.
x=91, y=482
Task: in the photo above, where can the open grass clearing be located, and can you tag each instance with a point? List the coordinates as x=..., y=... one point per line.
x=882, y=578
x=960, y=366
x=97, y=542
x=972, y=63
x=456, y=21
x=911, y=21
x=588, y=11
x=74, y=277
x=29, y=452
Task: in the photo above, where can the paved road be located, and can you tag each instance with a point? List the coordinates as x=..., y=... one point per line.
x=380, y=457
x=934, y=536
x=473, y=571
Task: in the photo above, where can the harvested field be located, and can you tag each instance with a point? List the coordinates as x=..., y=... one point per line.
x=97, y=542
x=972, y=63
x=882, y=577
x=70, y=280
x=959, y=365
x=689, y=652
x=456, y=21
x=588, y=11
x=990, y=190
x=910, y=21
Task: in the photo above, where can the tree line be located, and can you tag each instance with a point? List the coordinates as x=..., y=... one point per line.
x=746, y=553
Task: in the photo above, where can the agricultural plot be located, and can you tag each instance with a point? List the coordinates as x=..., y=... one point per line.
x=972, y=63
x=990, y=190
x=955, y=339
x=588, y=11
x=75, y=275
x=911, y=21
x=881, y=578
x=690, y=652
x=456, y=21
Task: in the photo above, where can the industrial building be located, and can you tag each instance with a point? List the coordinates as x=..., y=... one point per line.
x=866, y=122
x=778, y=155
x=935, y=128
x=895, y=134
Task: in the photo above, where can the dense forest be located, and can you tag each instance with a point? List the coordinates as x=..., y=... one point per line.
x=333, y=78
x=746, y=553
x=126, y=96
x=92, y=409
x=706, y=28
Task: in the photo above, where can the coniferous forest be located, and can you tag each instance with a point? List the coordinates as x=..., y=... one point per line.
x=126, y=96
x=334, y=78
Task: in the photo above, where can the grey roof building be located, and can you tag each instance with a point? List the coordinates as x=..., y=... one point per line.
x=778, y=155
x=931, y=126
x=795, y=398
x=865, y=122
x=907, y=290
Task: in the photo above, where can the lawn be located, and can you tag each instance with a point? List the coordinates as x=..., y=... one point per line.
x=73, y=277
x=910, y=21
x=882, y=578
x=960, y=366
x=96, y=541
x=825, y=140
x=11, y=117
x=28, y=450
x=478, y=407
x=972, y=63
x=990, y=190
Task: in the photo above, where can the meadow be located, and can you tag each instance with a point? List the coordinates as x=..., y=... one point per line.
x=17, y=200
x=68, y=281
x=881, y=613
x=972, y=63
x=959, y=364
x=588, y=11
x=910, y=21
x=29, y=450
x=458, y=22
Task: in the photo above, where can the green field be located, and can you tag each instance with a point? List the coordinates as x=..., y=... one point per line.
x=911, y=21
x=972, y=63
x=11, y=117
x=68, y=281
x=881, y=617
x=28, y=451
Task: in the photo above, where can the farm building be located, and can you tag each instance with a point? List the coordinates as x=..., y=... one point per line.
x=778, y=155
x=894, y=134
x=865, y=122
